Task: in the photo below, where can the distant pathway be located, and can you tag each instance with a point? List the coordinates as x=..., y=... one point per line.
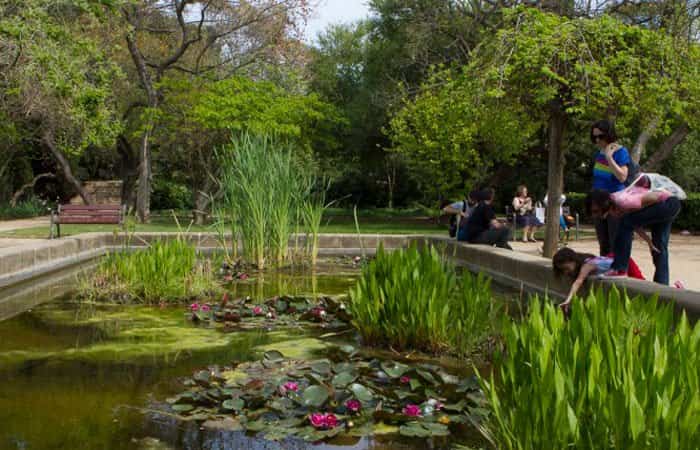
x=9, y=225
x=684, y=261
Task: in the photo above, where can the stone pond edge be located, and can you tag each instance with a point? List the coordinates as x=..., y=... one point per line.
x=520, y=271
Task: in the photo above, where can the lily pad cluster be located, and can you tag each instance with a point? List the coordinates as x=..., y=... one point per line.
x=243, y=313
x=320, y=399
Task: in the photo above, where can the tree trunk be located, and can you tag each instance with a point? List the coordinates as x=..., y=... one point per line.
x=201, y=203
x=642, y=140
x=555, y=176
x=128, y=172
x=17, y=195
x=143, y=196
x=665, y=150
x=63, y=163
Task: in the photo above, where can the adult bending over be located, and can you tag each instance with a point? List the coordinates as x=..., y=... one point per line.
x=611, y=165
x=636, y=207
x=482, y=226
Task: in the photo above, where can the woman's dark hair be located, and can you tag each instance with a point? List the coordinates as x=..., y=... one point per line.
x=600, y=198
x=474, y=196
x=487, y=194
x=608, y=130
x=566, y=255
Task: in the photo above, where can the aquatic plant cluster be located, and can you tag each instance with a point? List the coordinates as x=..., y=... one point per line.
x=166, y=271
x=245, y=314
x=620, y=374
x=269, y=194
x=413, y=299
x=320, y=399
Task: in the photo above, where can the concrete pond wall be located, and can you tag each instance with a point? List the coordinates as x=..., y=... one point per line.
x=531, y=274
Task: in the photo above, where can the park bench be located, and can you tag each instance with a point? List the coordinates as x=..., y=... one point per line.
x=511, y=218
x=86, y=214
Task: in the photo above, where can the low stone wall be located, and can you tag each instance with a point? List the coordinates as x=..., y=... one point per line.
x=517, y=270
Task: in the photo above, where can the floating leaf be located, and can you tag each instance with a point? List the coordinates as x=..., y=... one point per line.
x=415, y=384
x=182, y=407
x=343, y=379
x=423, y=429
x=322, y=367
x=361, y=393
x=273, y=356
x=394, y=369
x=233, y=404
x=427, y=376
x=315, y=396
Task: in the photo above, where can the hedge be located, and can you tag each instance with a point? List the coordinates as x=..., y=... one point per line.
x=688, y=219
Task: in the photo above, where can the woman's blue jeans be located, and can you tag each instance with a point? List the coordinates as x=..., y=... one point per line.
x=658, y=218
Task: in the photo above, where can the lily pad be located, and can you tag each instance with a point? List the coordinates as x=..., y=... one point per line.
x=322, y=366
x=182, y=407
x=343, y=379
x=394, y=369
x=233, y=404
x=361, y=393
x=315, y=396
x=423, y=429
x=273, y=356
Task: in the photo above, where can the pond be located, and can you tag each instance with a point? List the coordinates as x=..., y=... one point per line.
x=95, y=376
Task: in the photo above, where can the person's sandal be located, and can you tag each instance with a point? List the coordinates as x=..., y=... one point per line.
x=532, y=240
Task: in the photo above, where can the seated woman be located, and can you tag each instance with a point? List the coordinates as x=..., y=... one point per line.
x=579, y=266
x=482, y=226
x=640, y=205
x=524, y=214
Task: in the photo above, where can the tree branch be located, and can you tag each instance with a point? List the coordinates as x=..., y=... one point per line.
x=665, y=150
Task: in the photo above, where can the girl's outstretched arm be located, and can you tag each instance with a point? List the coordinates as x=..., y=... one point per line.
x=586, y=270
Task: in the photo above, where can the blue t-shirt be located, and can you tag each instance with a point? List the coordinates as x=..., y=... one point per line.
x=603, y=176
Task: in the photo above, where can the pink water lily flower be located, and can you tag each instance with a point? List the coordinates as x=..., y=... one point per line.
x=194, y=307
x=353, y=405
x=405, y=380
x=257, y=311
x=205, y=308
x=412, y=410
x=243, y=276
x=318, y=420
x=290, y=386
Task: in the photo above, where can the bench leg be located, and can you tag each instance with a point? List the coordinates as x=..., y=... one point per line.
x=58, y=230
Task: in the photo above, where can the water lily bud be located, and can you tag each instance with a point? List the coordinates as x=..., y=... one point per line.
x=351, y=424
x=323, y=314
x=342, y=306
x=428, y=410
x=269, y=315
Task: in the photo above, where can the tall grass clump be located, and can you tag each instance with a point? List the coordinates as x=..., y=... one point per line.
x=414, y=299
x=267, y=197
x=618, y=375
x=164, y=272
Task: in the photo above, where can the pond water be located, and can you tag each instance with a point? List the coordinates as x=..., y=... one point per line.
x=82, y=376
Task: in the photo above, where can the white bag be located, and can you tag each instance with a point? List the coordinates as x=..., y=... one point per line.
x=540, y=214
x=657, y=182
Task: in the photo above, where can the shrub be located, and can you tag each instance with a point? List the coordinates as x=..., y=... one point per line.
x=32, y=207
x=616, y=375
x=164, y=272
x=689, y=217
x=170, y=195
x=413, y=299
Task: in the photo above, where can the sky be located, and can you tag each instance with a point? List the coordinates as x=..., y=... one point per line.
x=335, y=11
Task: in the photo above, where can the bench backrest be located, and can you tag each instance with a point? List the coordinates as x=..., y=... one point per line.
x=90, y=213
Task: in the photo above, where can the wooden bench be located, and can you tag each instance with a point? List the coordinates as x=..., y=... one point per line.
x=86, y=214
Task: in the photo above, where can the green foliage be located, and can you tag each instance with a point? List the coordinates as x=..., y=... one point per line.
x=170, y=195
x=32, y=207
x=413, y=299
x=618, y=374
x=689, y=217
x=164, y=272
x=266, y=190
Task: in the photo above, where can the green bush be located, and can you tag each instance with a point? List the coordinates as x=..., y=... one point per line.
x=618, y=375
x=32, y=207
x=170, y=195
x=689, y=218
x=164, y=272
x=413, y=299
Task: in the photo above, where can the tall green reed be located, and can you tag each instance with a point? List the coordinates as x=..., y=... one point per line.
x=268, y=195
x=414, y=299
x=620, y=374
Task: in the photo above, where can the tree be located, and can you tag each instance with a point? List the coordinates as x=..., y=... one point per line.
x=57, y=83
x=212, y=38
x=561, y=71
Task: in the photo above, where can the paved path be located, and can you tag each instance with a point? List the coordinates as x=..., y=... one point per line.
x=684, y=251
x=9, y=225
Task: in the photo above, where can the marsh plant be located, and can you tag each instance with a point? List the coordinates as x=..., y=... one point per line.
x=166, y=271
x=619, y=374
x=268, y=195
x=413, y=299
